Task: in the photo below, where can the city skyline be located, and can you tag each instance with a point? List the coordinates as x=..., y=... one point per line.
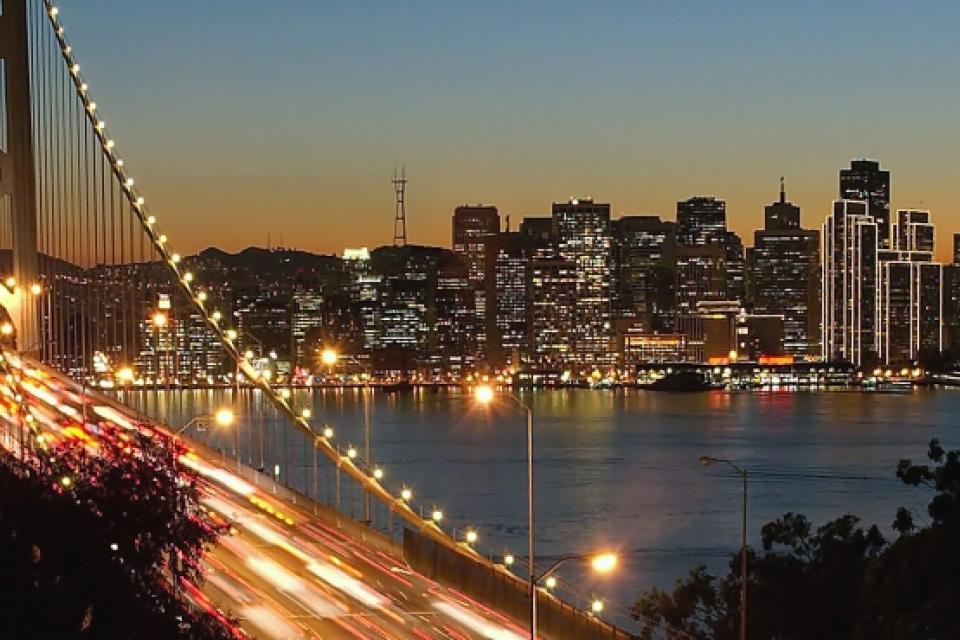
x=490, y=115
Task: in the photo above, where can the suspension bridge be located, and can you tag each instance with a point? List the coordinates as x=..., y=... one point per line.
x=84, y=268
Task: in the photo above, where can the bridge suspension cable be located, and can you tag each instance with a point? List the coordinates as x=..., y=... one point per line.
x=107, y=270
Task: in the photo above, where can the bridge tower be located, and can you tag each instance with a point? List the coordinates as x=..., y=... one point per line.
x=17, y=178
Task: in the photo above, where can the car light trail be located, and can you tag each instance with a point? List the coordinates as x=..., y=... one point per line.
x=475, y=623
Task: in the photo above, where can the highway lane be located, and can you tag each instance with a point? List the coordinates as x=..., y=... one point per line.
x=283, y=572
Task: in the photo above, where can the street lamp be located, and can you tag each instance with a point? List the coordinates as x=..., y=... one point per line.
x=602, y=563
x=484, y=394
x=707, y=461
x=222, y=418
x=329, y=357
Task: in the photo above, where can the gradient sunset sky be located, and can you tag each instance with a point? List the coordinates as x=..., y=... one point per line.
x=243, y=118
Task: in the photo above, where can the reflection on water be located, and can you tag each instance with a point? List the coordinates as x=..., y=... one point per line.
x=615, y=468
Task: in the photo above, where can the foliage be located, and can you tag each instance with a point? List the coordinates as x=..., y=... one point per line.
x=91, y=556
x=838, y=581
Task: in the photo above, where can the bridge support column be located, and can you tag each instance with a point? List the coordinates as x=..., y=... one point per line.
x=17, y=177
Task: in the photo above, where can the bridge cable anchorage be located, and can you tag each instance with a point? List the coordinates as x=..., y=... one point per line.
x=96, y=233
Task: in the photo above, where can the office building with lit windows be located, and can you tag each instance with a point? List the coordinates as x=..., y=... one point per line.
x=581, y=229
x=865, y=181
x=785, y=276
x=849, y=281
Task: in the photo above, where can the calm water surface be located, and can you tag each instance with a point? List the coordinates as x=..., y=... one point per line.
x=619, y=468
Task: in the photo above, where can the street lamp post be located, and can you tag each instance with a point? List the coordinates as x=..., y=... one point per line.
x=222, y=418
x=707, y=461
x=484, y=394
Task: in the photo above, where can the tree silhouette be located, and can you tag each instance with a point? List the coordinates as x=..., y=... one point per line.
x=93, y=545
x=838, y=581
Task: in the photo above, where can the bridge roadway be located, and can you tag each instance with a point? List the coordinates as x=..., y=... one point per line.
x=284, y=571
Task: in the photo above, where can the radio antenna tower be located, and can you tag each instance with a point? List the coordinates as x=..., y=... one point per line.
x=400, y=217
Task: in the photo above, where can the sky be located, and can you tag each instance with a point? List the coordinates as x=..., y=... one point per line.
x=244, y=119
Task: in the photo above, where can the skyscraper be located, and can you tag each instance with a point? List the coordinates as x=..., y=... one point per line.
x=509, y=293
x=701, y=220
x=911, y=308
x=701, y=276
x=910, y=292
x=645, y=268
x=849, y=280
x=865, y=181
x=582, y=232
x=913, y=231
x=785, y=276
x=553, y=299
x=472, y=226
x=782, y=214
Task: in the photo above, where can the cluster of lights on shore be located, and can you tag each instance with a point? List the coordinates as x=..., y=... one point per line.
x=483, y=394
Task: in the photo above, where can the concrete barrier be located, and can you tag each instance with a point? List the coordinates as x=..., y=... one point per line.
x=499, y=589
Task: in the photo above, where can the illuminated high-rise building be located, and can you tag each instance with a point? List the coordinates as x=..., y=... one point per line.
x=509, y=294
x=645, y=269
x=701, y=276
x=553, y=287
x=473, y=225
x=913, y=231
x=911, y=307
x=581, y=229
x=701, y=221
x=911, y=292
x=849, y=281
x=867, y=182
x=785, y=276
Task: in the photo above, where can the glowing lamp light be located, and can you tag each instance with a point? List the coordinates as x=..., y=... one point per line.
x=224, y=417
x=437, y=515
x=6, y=329
x=472, y=536
x=188, y=277
x=596, y=606
x=36, y=289
x=305, y=414
x=162, y=239
x=216, y=315
x=509, y=559
x=11, y=282
x=248, y=354
x=285, y=394
x=351, y=453
x=329, y=357
x=406, y=495
x=159, y=320
x=604, y=562
x=328, y=433
x=231, y=334
x=66, y=481
x=125, y=374
x=483, y=394
x=550, y=582
x=378, y=473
